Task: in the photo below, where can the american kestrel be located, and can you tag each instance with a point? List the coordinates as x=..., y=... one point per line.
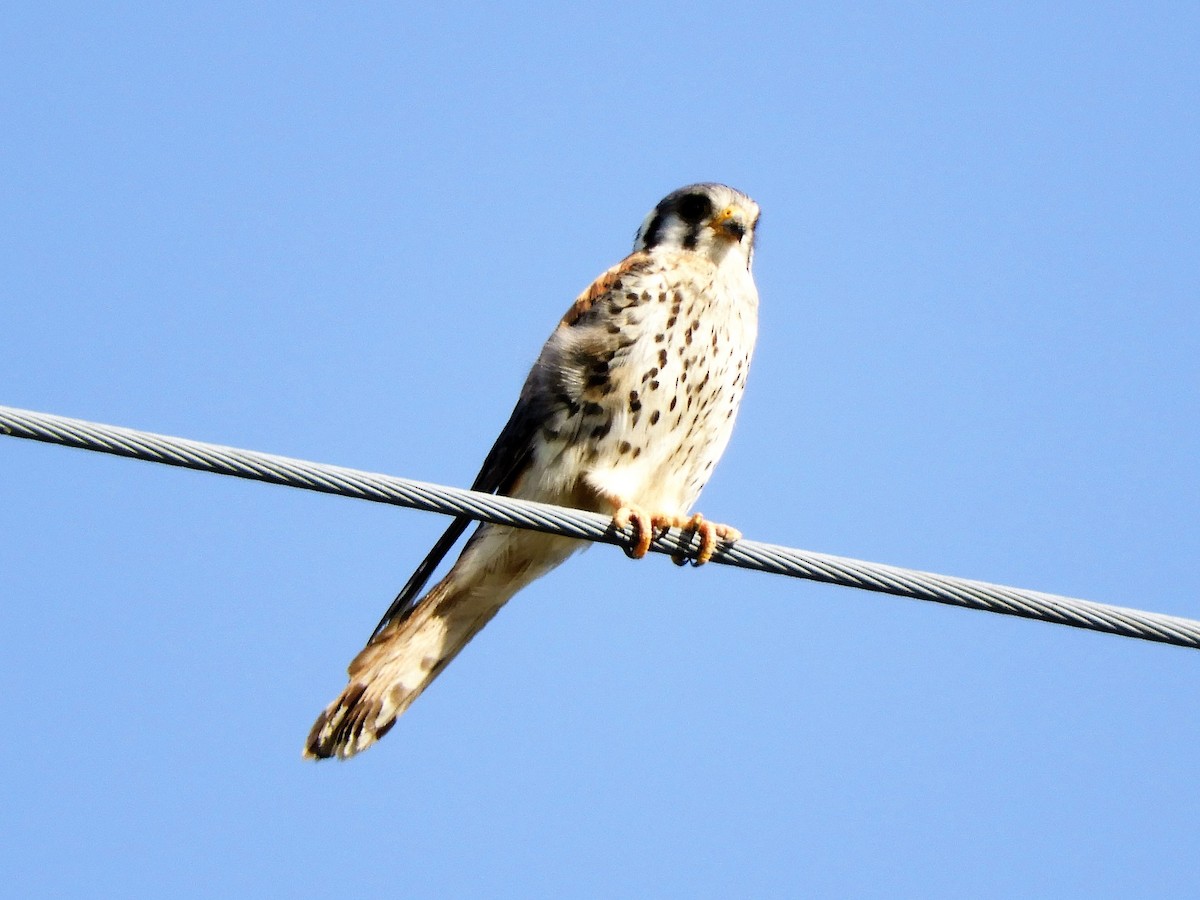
x=626, y=411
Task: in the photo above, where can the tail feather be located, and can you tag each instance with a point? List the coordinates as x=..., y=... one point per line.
x=392, y=671
x=401, y=660
x=348, y=725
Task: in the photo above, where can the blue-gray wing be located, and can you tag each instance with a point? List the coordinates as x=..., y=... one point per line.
x=541, y=398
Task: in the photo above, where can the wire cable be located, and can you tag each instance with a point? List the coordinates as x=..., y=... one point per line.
x=589, y=526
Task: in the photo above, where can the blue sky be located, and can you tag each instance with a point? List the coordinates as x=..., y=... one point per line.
x=343, y=234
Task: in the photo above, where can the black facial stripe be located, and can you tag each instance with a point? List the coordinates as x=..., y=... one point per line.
x=651, y=238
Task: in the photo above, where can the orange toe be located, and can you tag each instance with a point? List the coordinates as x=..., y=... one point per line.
x=708, y=534
x=645, y=526
x=643, y=529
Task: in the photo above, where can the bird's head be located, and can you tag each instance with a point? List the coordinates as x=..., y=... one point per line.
x=711, y=219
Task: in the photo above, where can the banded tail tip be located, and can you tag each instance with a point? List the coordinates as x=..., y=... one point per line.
x=348, y=726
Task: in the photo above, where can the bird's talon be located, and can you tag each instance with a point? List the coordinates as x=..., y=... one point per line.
x=708, y=533
x=646, y=527
x=643, y=529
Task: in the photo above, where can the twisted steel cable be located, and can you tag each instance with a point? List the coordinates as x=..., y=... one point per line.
x=594, y=527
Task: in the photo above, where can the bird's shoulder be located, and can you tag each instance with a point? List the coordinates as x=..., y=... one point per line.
x=632, y=271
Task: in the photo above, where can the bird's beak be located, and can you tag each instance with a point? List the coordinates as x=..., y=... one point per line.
x=730, y=223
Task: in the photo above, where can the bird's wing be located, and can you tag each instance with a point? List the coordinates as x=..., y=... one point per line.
x=510, y=456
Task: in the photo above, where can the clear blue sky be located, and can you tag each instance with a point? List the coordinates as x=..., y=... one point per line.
x=343, y=234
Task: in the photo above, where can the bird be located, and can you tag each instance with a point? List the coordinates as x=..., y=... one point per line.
x=626, y=411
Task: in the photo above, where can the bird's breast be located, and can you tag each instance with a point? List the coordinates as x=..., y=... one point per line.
x=658, y=374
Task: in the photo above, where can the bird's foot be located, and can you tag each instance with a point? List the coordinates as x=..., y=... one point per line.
x=708, y=533
x=646, y=526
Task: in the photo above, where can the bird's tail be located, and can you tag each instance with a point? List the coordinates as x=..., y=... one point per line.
x=401, y=660
x=395, y=667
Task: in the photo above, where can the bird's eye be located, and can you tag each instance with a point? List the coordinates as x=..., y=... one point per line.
x=693, y=208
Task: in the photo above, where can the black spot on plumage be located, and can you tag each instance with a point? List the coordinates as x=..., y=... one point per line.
x=662, y=357
x=654, y=416
x=624, y=447
x=592, y=409
x=566, y=402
